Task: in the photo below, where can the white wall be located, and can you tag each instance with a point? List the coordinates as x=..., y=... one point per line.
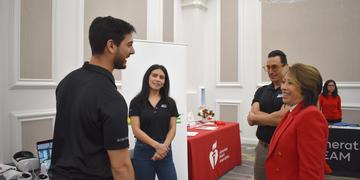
x=201, y=34
x=350, y=101
x=329, y=43
x=194, y=28
x=32, y=99
x=35, y=100
x=203, y=62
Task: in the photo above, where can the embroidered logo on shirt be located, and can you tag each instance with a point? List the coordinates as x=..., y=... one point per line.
x=164, y=106
x=122, y=139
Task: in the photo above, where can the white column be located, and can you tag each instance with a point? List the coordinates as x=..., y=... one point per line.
x=4, y=51
x=194, y=12
x=250, y=44
x=68, y=36
x=202, y=4
x=154, y=20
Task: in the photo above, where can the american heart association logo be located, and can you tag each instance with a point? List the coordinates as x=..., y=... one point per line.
x=214, y=155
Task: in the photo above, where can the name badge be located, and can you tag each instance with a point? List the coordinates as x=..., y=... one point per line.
x=164, y=105
x=279, y=96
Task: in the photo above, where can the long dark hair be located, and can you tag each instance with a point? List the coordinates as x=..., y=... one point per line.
x=325, y=91
x=145, y=90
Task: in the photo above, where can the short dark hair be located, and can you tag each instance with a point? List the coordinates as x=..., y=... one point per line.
x=325, y=91
x=145, y=89
x=279, y=53
x=309, y=80
x=104, y=28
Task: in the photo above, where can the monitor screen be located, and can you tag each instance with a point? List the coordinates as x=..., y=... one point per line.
x=44, y=149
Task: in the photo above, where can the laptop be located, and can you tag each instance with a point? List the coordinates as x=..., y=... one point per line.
x=44, y=149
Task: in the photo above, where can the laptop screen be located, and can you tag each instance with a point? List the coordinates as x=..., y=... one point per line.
x=44, y=149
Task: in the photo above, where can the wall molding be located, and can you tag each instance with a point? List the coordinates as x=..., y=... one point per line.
x=17, y=117
x=16, y=82
x=160, y=42
x=241, y=43
x=280, y=1
x=340, y=84
x=229, y=84
x=228, y=102
x=350, y=106
x=348, y=84
x=241, y=47
x=201, y=4
x=34, y=84
x=80, y=32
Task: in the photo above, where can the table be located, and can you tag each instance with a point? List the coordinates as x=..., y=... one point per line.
x=211, y=153
x=343, y=151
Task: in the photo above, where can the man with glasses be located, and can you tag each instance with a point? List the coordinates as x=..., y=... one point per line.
x=267, y=109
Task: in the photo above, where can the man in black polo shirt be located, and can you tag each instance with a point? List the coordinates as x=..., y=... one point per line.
x=91, y=131
x=267, y=109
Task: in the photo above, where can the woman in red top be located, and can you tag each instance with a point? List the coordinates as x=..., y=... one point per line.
x=330, y=102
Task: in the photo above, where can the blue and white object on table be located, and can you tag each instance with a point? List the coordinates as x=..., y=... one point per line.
x=202, y=94
x=44, y=150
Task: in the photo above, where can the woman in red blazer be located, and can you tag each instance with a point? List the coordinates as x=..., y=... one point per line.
x=298, y=146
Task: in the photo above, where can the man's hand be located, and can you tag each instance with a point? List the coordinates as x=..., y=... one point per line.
x=284, y=109
x=121, y=166
x=265, y=119
x=250, y=118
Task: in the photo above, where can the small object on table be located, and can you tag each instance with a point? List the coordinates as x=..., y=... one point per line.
x=190, y=133
x=219, y=122
x=208, y=128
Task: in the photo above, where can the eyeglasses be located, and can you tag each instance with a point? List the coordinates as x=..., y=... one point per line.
x=272, y=67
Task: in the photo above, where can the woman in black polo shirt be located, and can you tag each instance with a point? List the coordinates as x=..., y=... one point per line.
x=153, y=120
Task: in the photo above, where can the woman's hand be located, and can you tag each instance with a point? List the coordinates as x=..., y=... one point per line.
x=161, y=150
x=156, y=157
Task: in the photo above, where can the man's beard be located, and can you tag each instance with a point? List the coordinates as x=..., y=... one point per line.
x=118, y=62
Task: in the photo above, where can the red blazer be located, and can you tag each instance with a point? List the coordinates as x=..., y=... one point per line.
x=298, y=146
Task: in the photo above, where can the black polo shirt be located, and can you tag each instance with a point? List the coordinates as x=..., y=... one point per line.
x=154, y=121
x=270, y=100
x=91, y=118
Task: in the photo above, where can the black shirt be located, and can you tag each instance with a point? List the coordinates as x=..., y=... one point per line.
x=154, y=122
x=91, y=118
x=270, y=100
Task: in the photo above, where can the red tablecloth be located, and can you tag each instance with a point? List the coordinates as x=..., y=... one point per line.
x=212, y=153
